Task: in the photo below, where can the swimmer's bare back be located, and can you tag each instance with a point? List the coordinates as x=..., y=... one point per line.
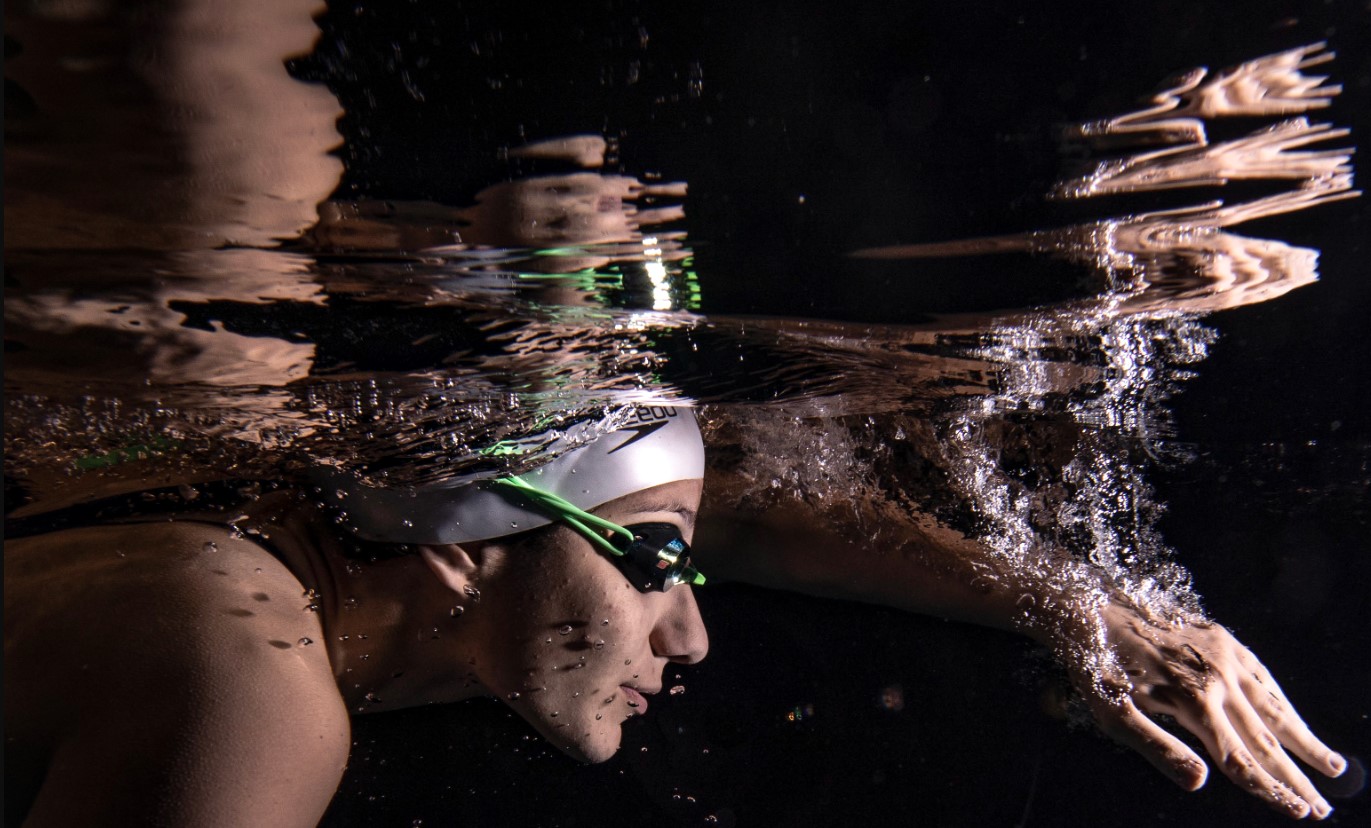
x=163, y=674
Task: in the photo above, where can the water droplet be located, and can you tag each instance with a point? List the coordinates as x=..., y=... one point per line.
x=598, y=716
x=472, y=592
x=578, y=665
x=565, y=629
x=456, y=612
x=305, y=642
x=604, y=623
x=373, y=698
x=628, y=661
x=600, y=644
x=513, y=696
x=892, y=698
x=210, y=546
x=350, y=603
x=554, y=714
x=407, y=523
x=677, y=690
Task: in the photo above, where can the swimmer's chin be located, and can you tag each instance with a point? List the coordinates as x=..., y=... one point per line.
x=590, y=749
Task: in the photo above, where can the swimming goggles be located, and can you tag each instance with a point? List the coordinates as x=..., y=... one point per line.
x=653, y=556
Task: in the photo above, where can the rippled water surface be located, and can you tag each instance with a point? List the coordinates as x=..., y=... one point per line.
x=976, y=264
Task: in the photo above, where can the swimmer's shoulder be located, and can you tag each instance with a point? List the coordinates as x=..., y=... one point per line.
x=180, y=648
x=177, y=590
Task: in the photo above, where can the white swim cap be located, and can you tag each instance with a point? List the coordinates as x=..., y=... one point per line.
x=655, y=445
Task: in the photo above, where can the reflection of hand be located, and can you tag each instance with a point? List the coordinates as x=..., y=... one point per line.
x=580, y=208
x=1215, y=688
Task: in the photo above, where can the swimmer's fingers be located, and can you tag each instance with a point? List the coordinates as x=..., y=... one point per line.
x=1129, y=726
x=671, y=189
x=1269, y=702
x=1247, y=758
x=1266, y=746
x=659, y=215
x=1203, y=687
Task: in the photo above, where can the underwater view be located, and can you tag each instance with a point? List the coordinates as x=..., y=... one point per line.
x=1010, y=355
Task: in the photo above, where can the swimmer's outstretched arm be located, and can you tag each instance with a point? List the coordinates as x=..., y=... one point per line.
x=1196, y=672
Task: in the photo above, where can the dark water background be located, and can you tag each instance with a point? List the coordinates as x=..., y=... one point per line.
x=806, y=131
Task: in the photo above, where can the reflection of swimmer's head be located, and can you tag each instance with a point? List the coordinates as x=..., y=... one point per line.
x=656, y=445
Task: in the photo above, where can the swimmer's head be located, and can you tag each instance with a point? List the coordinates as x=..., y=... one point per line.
x=552, y=627
x=655, y=445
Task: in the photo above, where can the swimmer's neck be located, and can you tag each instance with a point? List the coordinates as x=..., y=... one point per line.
x=392, y=637
x=394, y=640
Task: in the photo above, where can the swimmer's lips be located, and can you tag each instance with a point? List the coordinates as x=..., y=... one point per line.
x=636, y=699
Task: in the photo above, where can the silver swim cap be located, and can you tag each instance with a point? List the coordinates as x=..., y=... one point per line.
x=656, y=445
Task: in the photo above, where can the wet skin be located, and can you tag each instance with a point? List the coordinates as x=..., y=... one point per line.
x=179, y=673
x=568, y=642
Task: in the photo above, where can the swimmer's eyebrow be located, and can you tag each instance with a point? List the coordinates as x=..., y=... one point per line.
x=687, y=514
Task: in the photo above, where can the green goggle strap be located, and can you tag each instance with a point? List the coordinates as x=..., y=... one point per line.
x=574, y=515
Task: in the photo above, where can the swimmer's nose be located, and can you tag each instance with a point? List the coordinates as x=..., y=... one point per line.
x=680, y=632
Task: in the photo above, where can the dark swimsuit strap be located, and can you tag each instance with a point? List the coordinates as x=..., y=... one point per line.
x=207, y=502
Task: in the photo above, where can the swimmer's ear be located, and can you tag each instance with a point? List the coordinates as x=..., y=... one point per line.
x=457, y=566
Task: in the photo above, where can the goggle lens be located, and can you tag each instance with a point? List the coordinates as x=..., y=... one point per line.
x=657, y=558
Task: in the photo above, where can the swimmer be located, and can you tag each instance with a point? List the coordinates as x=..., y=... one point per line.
x=564, y=593
x=184, y=673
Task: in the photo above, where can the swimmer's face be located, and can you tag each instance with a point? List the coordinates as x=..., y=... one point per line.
x=574, y=647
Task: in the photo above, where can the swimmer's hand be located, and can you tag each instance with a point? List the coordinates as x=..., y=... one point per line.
x=1214, y=687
